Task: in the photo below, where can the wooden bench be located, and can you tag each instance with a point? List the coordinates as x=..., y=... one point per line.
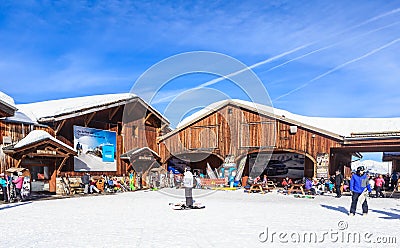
x=271, y=184
x=208, y=182
x=257, y=187
x=296, y=186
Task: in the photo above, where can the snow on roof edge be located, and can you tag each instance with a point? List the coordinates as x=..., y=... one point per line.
x=53, y=108
x=7, y=100
x=342, y=127
x=39, y=135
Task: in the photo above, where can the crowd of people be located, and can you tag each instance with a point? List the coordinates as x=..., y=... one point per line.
x=338, y=184
x=11, y=187
x=108, y=184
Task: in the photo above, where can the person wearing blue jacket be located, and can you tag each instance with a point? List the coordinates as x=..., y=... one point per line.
x=4, y=186
x=358, y=187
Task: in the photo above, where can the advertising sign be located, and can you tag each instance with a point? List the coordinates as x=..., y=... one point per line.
x=96, y=149
x=322, y=165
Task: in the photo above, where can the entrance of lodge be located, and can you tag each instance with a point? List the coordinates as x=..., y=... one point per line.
x=279, y=164
x=197, y=161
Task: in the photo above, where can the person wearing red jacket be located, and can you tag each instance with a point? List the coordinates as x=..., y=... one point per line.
x=287, y=182
x=379, y=182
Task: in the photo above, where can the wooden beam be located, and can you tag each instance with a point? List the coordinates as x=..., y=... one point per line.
x=163, y=126
x=90, y=118
x=59, y=126
x=19, y=161
x=61, y=165
x=113, y=113
x=148, y=116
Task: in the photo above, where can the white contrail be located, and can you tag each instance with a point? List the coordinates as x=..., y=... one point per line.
x=211, y=82
x=221, y=78
x=214, y=81
x=338, y=67
x=332, y=45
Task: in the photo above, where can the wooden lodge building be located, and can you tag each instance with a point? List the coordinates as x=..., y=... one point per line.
x=42, y=137
x=245, y=130
x=135, y=124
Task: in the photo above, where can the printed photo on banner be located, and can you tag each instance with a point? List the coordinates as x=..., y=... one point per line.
x=96, y=149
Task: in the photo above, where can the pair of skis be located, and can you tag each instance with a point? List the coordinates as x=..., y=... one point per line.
x=182, y=206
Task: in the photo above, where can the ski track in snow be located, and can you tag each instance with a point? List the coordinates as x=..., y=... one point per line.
x=144, y=219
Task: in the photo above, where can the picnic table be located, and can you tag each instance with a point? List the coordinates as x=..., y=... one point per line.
x=271, y=184
x=258, y=187
x=296, y=186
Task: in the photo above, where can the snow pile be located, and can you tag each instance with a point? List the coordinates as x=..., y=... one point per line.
x=340, y=126
x=37, y=136
x=373, y=166
x=70, y=105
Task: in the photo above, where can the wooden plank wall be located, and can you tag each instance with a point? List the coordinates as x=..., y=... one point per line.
x=239, y=131
x=16, y=131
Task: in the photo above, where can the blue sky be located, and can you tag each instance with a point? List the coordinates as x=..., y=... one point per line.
x=58, y=49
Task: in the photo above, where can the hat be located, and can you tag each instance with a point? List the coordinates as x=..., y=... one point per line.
x=360, y=168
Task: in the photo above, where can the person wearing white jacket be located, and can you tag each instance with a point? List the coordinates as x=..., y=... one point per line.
x=188, y=184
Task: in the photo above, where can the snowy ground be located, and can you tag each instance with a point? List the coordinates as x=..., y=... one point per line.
x=230, y=219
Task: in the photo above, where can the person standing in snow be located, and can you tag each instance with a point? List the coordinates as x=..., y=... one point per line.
x=4, y=186
x=171, y=179
x=338, y=184
x=395, y=180
x=85, y=181
x=18, y=181
x=358, y=187
x=188, y=184
x=379, y=182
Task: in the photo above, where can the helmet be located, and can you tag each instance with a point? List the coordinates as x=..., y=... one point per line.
x=360, y=168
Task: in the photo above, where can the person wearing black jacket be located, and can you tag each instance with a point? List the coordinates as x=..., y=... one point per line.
x=85, y=181
x=338, y=183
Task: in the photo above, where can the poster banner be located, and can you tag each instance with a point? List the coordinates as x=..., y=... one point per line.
x=96, y=149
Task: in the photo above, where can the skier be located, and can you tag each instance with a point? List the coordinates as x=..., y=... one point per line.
x=188, y=184
x=358, y=187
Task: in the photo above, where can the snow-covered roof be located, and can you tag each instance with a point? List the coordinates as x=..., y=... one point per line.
x=22, y=117
x=129, y=154
x=37, y=136
x=54, y=108
x=344, y=127
x=63, y=108
x=6, y=99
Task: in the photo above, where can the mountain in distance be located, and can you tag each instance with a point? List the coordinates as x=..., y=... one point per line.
x=373, y=166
